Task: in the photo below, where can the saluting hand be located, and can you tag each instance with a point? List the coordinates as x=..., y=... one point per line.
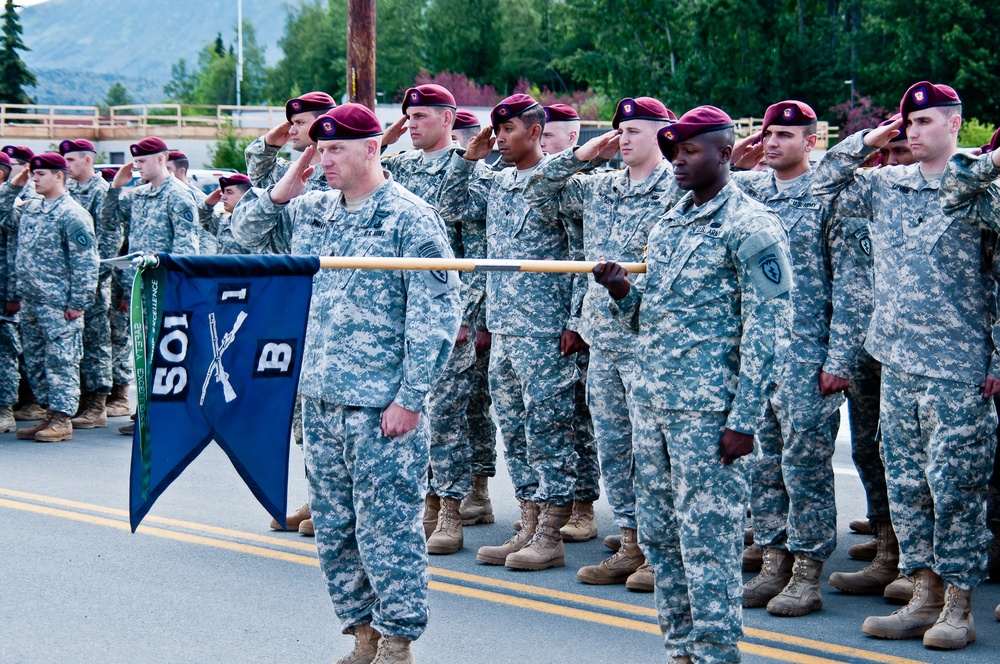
x=879, y=137
x=21, y=178
x=293, y=182
x=614, y=277
x=122, y=177
x=604, y=146
x=394, y=131
x=747, y=153
x=212, y=199
x=278, y=136
x=481, y=145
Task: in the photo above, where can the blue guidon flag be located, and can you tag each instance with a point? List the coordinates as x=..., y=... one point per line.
x=218, y=344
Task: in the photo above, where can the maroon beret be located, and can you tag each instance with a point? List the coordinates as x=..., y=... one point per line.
x=700, y=120
x=79, y=145
x=176, y=154
x=48, y=161
x=345, y=122
x=927, y=95
x=148, y=146
x=4, y=160
x=236, y=178
x=902, y=130
x=560, y=113
x=510, y=108
x=788, y=113
x=109, y=172
x=310, y=101
x=465, y=119
x=993, y=144
x=428, y=95
x=18, y=152
x=641, y=108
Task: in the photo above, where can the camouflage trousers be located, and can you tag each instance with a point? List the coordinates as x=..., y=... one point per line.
x=482, y=428
x=451, y=449
x=532, y=385
x=993, y=496
x=938, y=442
x=690, y=509
x=609, y=395
x=121, y=354
x=10, y=348
x=52, y=349
x=95, y=367
x=366, y=493
x=863, y=403
x=792, y=488
x=588, y=469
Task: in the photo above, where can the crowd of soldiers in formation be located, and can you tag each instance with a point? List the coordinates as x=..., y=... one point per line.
x=710, y=385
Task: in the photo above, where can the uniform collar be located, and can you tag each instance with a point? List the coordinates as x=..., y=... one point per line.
x=624, y=187
x=686, y=213
x=909, y=177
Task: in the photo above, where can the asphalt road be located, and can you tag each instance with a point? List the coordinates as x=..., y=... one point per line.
x=205, y=580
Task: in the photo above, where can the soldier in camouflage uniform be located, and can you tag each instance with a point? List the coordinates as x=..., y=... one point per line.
x=88, y=188
x=428, y=115
x=178, y=164
x=265, y=168
x=618, y=208
x=56, y=268
x=231, y=191
x=793, y=502
x=10, y=343
x=931, y=289
x=711, y=314
x=386, y=337
x=532, y=372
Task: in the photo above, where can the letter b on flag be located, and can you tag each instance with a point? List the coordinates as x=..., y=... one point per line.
x=275, y=358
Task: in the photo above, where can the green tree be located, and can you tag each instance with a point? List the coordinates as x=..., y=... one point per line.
x=399, y=44
x=214, y=82
x=227, y=152
x=314, y=46
x=180, y=88
x=14, y=74
x=464, y=36
x=117, y=95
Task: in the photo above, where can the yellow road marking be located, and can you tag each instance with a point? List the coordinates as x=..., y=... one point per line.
x=580, y=614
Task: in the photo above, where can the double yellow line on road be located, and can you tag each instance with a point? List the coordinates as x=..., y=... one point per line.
x=599, y=611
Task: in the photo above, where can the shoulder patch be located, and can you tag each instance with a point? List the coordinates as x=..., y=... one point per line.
x=438, y=281
x=767, y=268
x=78, y=232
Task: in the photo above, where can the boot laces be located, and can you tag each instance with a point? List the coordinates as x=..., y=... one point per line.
x=952, y=612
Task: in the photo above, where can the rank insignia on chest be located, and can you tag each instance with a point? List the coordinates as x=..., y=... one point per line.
x=768, y=264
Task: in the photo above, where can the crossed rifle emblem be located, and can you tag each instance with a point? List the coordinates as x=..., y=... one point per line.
x=218, y=350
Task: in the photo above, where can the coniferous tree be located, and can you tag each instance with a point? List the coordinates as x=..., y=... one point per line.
x=14, y=74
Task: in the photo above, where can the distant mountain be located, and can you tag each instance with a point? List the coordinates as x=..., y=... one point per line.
x=135, y=41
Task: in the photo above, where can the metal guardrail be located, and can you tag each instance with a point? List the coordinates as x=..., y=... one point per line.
x=134, y=121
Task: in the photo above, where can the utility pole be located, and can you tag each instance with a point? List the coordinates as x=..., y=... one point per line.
x=239, y=53
x=361, y=52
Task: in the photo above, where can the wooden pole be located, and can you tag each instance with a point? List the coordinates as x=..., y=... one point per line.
x=465, y=264
x=361, y=52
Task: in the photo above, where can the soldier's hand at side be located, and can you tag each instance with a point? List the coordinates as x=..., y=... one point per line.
x=123, y=306
x=992, y=387
x=73, y=314
x=830, y=384
x=463, y=335
x=11, y=308
x=570, y=342
x=481, y=145
x=396, y=420
x=278, y=136
x=122, y=177
x=599, y=147
x=879, y=137
x=21, y=178
x=614, y=277
x=747, y=152
x=394, y=131
x=733, y=445
x=484, y=341
x=293, y=182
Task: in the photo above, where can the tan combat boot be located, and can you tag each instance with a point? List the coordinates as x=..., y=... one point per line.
x=642, y=580
x=581, y=526
x=865, y=551
x=94, y=415
x=393, y=650
x=29, y=432
x=954, y=628
x=31, y=412
x=753, y=558
x=683, y=659
x=899, y=591
x=476, y=507
x=294, y=519
x=613, y=542
x=307, y=528
x=447, y=536
x=872, y=580
x=497, y=555
x=619, y=567
x=59, y=428
x=775, y=573
x=861, y=527
x=7, y=421
x=127, y=429
x=365, y=645
x=916, y=617
x=117, y=403
x=545, y=549
x=432, y=503
x=802, y=594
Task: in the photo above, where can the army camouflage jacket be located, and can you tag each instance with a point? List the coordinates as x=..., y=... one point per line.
x=517, y=303
x=90, y=195
x=265, y=167
x=712, y=312
x=57, y=260
x=617, y=216
x=374, y=336
x=932, y=279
